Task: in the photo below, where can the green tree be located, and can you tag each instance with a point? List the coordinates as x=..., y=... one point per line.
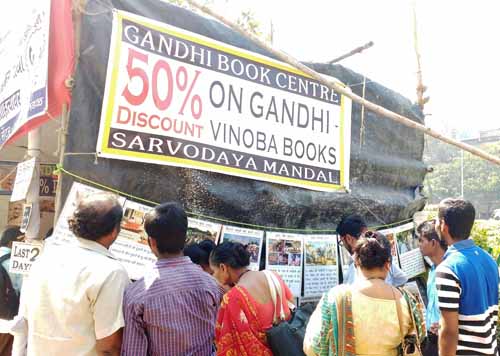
x=481, y=180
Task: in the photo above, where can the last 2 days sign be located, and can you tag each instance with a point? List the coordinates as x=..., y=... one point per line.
x=178, y=98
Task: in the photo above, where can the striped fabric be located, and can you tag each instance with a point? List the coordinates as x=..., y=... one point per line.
x=171, y=311
x=467, y=282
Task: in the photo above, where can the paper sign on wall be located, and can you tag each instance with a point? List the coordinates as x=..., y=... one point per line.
x=252, y=239
x=321, y=264
x=284, y=255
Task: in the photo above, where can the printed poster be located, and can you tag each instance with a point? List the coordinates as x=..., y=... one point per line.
x=24, y=49
x=199, y=230
x=131, y=247
x=321, y=264
x=251, y=239
x=410, y=257
x=284, y=256
x=174, y=97
x=24, y=176
x=23, y=256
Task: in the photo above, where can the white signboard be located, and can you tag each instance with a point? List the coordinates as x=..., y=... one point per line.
x=24, y=176
x=321, y=264
x=24, y=48
x=178, y=98
x=251, y=239
x=23, y=255
x=284, y=255
x=131, y=247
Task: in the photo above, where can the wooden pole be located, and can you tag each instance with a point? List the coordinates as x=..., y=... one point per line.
x=352, y=53
x=345, y=91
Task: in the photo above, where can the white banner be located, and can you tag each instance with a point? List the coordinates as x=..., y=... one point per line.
x=24, y=49
x=251, y=239
x=178, y=98
x=284, y=255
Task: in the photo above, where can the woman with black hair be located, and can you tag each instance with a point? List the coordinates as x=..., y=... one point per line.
x=199, y=254
x=369, y=317
x=247, y=310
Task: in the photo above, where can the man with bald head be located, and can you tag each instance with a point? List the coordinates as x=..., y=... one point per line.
x=73, y=299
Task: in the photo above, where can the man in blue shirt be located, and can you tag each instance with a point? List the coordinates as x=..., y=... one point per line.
x=467, y=284
x=434, y=248
x=350, y=228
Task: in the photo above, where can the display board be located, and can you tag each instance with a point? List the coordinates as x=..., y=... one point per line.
x=174, y=97
x=410, y=257
x=320, y=264
x=284, y=254
x=251, y=239
x=199, y=230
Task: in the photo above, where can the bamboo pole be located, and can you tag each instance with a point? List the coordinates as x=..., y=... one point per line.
x=352, y=53
x=344, y=91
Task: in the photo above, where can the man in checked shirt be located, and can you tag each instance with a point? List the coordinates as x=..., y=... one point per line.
x=171, y=310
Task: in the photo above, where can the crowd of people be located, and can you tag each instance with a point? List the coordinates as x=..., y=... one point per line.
x=203, y=299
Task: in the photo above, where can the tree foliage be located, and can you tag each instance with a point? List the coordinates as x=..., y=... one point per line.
x=481, y=178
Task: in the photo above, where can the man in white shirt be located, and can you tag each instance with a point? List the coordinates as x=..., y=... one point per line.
x=73, y=297
x=350, y=228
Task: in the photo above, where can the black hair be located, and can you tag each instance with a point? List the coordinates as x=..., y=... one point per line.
x=167, y=224
x=352, y=225
x=427, y=229
x=49, y=233
x=199, y=252
x=230, y=253
x=96, y=216
x=196, y=254
x=373, y=250
x=10, y=234
x=207, y=245
x=459, y=215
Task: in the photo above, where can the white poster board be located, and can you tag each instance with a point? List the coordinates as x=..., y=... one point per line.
x=131, y=247
x=24, y=177
x=24, y=50
x=284, y=256
x=321, y=264
x=23, y=256
x=251, y=239
x=410, y=257
x=199, y=230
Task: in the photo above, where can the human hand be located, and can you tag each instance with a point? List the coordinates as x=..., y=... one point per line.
x=434, y=328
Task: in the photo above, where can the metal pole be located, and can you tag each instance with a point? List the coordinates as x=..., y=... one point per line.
x=33, y=196
x=63, y=133
x=462, y=175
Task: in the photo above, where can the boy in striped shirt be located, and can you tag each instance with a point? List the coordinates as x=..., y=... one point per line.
x=467, y=283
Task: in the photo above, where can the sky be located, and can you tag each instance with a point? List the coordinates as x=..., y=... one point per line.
x=458, y=42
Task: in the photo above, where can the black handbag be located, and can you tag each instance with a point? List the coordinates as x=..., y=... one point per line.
x=286, y=338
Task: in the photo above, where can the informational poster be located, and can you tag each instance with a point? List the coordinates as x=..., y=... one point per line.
x=321, y=264
x=413, y=288
x=199, y=230
x=410, y=257
x=251, y=239
x=23, y=255
x=23, y=74
x=284, y=255
x=131, y=247
x=24, y=177
x=178, y=98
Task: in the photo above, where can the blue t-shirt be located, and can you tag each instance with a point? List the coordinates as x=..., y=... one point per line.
x=433, y=314
x=467, y=282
